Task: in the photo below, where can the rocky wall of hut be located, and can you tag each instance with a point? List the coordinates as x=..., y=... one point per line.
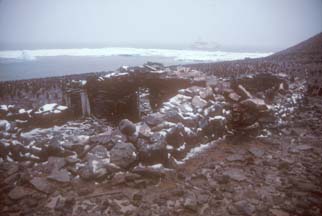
x=132, y=96
x=113, y=99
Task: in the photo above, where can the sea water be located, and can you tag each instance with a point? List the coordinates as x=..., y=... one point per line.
x=25, y=64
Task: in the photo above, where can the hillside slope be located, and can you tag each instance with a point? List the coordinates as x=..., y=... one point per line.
x=309, y=46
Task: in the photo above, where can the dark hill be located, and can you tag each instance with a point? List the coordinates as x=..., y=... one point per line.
x=308, y=50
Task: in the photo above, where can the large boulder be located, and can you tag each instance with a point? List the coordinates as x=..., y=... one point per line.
x=144, y=131
x=123, y=154
x=254, y=104
x=206, y=93
x=104, y=139
x=214, y=126
x=4, y=125
x=127, y=127
x=175, y=136
x=233, y=97
x=154, y=119
x=76, y=143
x=99, y=164
x=42, y=185
x=243, y=92
x=60, y=175
x=153, y=151
x=198, y=102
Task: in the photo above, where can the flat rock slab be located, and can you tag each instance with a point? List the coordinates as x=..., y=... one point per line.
x=53, y=202
x=244, y=208
x=303, y=147
x=60, y=176
x=278, y=212
x=19, y=193
x=42, y=185
x=257, y=152
x=123, y=206
x=56, y=162
x=235, y=157
x=123, y=154
x=235, y=174
x=234, y=97
x=198, y=102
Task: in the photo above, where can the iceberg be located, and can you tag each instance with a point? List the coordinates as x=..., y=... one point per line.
x=178, y=55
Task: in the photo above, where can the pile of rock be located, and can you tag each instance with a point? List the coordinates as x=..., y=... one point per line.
x=248, y=113
x=194, y=116
x=119, y=95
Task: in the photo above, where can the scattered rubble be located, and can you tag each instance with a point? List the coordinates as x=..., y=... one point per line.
x=207, y=146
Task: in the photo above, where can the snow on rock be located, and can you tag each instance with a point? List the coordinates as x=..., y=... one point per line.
x=22, y=111
x=197, y=150
x=115, y=74
x=4, y=125
x=51, y=108
x=4, y=107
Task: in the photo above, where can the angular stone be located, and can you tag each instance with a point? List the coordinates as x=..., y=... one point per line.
x=144, y=131
x=127, y=127
x=235, y=157
x=103, y=139
x=53, y=202
x=123, y=154
x=56, y=162
x=42, y=185
x=77, y=143
x=299, y=131
x=154, y=119
x=245, y=208
x=257, y=152
x=98, y=152
x=62, y=176
x=206, y=93
x=153, y=152
x=244, y=93
x=303, y=147
x=71, y=160
x=198, y=102
x=234, y=97
x=185, y=108
x=190, y=202
x=117, y=137
x=19, y=192
x=86, y=173
x=12, y=178
x=13, y=168
x=175, y=137
x=101, y=167
x=235, y=174
x=254, y=104
x=213, y=126
x=149, y=172
x=123, y=206
x=278, y=212
x=4, y=125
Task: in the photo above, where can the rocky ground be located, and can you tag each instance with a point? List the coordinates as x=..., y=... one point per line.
x=233, y=147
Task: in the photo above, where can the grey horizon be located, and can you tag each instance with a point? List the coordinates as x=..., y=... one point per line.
x=260, y=25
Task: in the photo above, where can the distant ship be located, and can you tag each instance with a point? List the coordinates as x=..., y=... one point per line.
x=203, y=45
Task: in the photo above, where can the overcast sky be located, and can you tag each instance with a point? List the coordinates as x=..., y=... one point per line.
x=272, y=24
